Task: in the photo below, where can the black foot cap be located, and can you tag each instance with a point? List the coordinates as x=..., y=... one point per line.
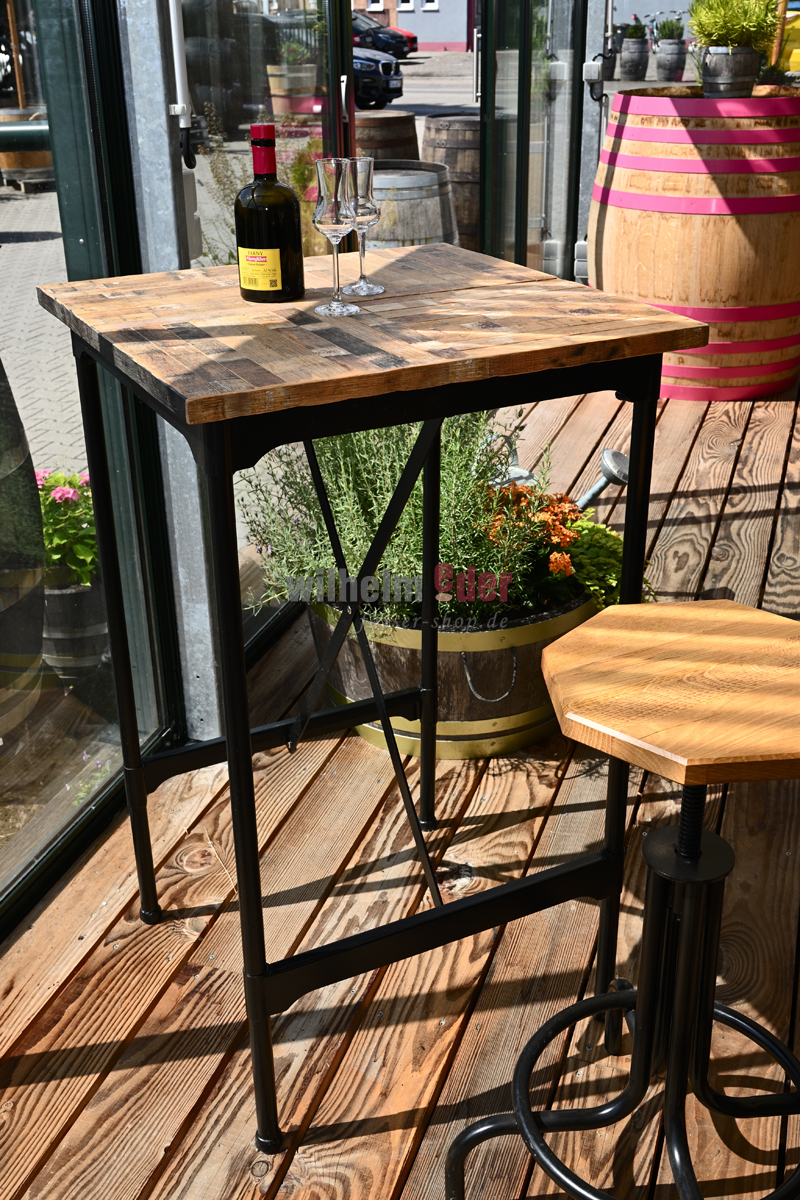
x=151, y=918
x=269, y=1145
x=428, y=826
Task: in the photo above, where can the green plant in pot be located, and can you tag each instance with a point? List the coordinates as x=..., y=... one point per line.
x=294, y=75
x=732, y=35
x=671, y=53
x=75, y=630
x=518, y=567
x=635, y=53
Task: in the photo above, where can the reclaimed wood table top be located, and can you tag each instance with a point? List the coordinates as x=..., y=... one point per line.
x=701, y=692
x=447, y=316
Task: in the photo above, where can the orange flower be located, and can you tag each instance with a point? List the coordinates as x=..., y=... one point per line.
x=559, y=563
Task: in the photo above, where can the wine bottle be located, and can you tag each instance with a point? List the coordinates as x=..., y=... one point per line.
x=268, y=239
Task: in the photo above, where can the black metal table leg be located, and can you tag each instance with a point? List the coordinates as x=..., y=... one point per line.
x=431, y=488
x=614, y=843
x=222, y=522
x=135, y=789
x=637, y=505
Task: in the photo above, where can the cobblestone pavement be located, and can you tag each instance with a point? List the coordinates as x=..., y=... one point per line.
x=34, y=347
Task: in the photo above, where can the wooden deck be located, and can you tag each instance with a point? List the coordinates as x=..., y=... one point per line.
x=126, y=1071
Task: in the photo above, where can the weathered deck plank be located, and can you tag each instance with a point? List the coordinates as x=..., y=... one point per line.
x=142, y=1090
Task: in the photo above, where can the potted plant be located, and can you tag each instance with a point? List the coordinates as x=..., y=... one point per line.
x=671, y=53
x=518, y=567
x=634, y=57
x=75, y=630
x=731, y=35
x=294, y=75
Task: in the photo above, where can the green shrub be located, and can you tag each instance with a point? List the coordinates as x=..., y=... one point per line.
x=671, y=29
x=636, y=31
x=70, y=540
x=521, y=531
x=293, y=54
x=734, y=23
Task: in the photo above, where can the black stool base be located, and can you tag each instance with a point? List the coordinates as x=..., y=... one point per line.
x=672, y=1014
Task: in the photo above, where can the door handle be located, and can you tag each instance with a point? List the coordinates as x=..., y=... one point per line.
x=476, y=70
x=343, y=86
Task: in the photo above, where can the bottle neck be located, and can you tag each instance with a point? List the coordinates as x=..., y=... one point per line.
x=264, y=165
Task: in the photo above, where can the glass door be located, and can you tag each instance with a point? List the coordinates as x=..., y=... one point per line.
x=285, y=61
x=531, y=112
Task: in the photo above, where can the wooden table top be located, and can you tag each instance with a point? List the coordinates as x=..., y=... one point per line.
x=704, y=692
x=447, y=316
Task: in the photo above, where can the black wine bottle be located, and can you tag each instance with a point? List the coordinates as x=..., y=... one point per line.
x=268, y=239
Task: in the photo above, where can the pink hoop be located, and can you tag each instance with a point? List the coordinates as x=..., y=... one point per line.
x=696, y=106
x=704, y=137
x=675, y=391
x=718, y=206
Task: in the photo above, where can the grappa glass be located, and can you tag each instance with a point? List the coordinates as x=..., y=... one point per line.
x=335, y=216
x=367, y=213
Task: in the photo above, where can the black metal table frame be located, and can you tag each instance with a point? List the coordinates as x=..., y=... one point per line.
x=220, y=449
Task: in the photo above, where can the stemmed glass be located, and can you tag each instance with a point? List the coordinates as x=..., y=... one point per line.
x=367, y=213
x=335, y=216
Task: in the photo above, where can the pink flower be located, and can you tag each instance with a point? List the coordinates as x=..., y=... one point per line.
x=83, y=480
x=60, y=494
x=41, y=476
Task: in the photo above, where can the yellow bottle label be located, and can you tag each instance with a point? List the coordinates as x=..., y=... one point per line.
x=260, y=270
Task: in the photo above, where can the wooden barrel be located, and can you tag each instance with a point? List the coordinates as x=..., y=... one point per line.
x=21, y=569
x=20, y=165
x=416, y=205
x=456, y=141
x=75, y=630
x=385, y=134
x=492, y=695
x=696, y=209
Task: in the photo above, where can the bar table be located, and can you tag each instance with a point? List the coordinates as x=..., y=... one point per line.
x=454, y=332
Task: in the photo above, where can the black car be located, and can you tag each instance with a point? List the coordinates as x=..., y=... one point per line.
x=378, y=78
x=381, y=38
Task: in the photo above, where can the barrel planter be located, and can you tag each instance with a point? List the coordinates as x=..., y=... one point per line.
x=25, y=166
x=696, y=209
x=456, y=141
x=670, y=59
x=75, y=630
x=21, y=569
x=633, y=59
x=382, y=135
x=289, y=85
x=492, y=694
x=416, y=203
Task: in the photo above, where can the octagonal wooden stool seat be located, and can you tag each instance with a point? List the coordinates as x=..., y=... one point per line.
x=703, y=692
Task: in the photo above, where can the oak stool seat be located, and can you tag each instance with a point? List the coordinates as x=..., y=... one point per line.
x=702, y=692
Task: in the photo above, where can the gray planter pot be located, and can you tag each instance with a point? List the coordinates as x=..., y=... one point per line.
x=633, y=60
x=670, y=59
x=730, y=72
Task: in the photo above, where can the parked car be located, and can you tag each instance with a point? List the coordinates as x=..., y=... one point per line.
x=389, y=41
x=378, y=78
x=410, y=37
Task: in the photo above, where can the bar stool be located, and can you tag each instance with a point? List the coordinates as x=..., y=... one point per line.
x=700, y=693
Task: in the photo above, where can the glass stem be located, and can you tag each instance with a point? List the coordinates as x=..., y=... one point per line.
x=337, y=295
x=362, y=249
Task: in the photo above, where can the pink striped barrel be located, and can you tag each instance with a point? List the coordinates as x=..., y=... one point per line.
x=696, y=209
